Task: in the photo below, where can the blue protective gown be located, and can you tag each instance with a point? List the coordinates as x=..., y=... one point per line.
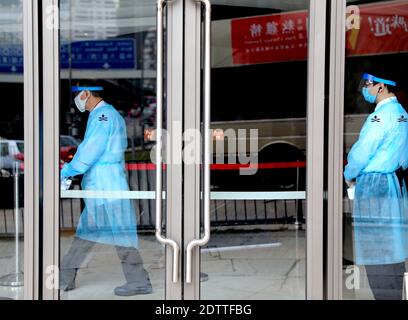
x=100, y=158
x=380, y=204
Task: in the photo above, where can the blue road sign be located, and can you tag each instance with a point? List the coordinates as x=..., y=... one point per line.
x=99, y=54
x=92, y=54
x=11, y=58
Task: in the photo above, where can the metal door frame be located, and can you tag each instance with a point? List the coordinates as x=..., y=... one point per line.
x=192, y=112
x=315, y=144
x=174, y=207
x=334, y=251
x=51, y=116
x=183, y=23
x=31, y=143
x=315, y=150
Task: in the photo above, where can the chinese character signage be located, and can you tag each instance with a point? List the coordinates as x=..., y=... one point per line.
x=283, y=37
x=272, y=38
x=99, y=54
x=383, y=29
x=93, y=54
x=11, y=58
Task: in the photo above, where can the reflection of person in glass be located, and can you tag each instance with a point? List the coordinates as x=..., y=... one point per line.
x=108, y=219
x=380, y=205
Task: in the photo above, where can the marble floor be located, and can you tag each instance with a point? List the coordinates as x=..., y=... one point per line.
x=241, y=264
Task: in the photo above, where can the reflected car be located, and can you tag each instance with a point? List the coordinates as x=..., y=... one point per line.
x=11, y=157
x=11, y=153
x=68, y=147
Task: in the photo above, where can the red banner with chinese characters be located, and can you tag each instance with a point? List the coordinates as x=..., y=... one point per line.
x=283, y=37
x=383, y=29
x=272, y=38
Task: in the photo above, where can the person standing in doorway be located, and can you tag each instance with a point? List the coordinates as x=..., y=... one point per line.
x=106, y=219
x=380, y=205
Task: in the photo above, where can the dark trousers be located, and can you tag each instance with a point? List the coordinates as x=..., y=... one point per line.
x=132, y=263
x=386, y=280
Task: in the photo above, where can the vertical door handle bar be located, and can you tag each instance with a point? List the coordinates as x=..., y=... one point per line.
x=207, y=140
x=159, y=142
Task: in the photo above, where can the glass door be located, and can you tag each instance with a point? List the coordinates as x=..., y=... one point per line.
x=176, y=141
x=367, y=217
x=106, y=235
x=12, y=150
x=255, y=83
x=374, y=223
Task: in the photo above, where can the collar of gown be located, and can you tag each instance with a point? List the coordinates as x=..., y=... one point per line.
x=385, y=101
x=100, y=104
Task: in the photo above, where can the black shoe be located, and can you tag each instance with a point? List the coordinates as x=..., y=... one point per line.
x=68, y=287
x=203, y=277
x=130, y=290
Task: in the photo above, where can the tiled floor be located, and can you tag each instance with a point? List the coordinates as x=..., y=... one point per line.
x=256, y=273
x=237, y=268
x=7, y=266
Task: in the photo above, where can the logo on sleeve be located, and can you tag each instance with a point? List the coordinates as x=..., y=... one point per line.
x=402, y=119
x=375, y=119
x=103, y=118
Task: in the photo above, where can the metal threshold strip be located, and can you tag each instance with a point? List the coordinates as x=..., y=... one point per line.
x=239, y=248
x=84, y=194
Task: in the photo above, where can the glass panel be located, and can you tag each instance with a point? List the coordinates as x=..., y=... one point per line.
x=11, y=148
x=107, y=215
x=375, y=221
x=259, y=91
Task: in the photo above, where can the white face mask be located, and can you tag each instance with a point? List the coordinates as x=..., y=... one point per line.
x=80, y=104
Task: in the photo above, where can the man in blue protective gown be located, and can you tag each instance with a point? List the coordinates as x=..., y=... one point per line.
x=108, y=217
x=380, y=204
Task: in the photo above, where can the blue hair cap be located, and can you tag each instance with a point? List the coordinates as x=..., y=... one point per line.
x=78, y=88
x=370, y=77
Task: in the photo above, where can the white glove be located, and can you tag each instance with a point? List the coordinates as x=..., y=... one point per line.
x=350, y=192
x=65, y=184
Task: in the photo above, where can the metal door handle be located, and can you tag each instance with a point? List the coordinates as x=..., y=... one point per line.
x=159, y=131
x=207, y=141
